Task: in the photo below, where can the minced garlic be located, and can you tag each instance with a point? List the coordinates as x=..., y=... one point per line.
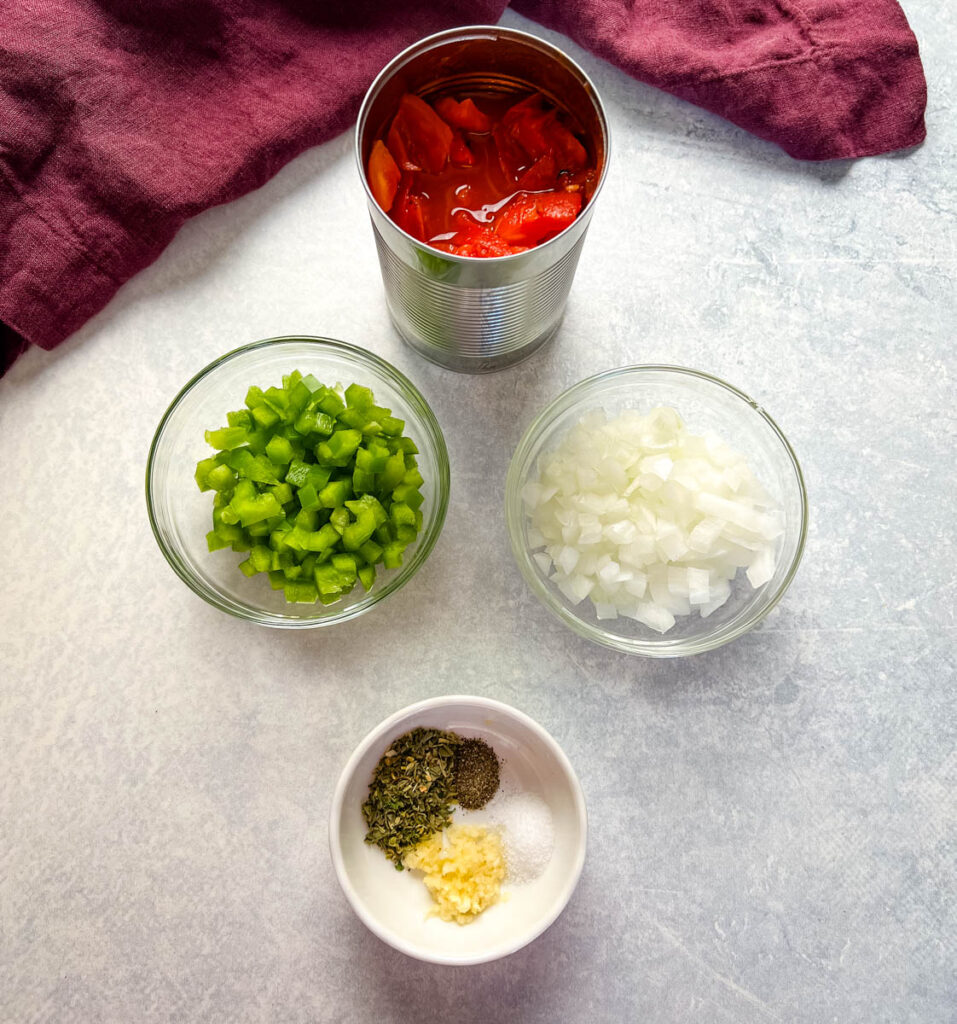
x=464, y=867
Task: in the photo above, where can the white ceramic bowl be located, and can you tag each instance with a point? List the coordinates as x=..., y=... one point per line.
x=395, y=904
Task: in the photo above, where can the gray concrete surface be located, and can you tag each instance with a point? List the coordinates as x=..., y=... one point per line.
x=772, y=825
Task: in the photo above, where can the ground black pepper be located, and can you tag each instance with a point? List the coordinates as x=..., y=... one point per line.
x=476, y=773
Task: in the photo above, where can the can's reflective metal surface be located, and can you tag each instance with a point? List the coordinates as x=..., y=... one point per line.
x=463, y=312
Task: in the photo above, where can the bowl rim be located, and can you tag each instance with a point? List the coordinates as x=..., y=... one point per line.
x=468, y=32
x=374, y=736
x=423, y=546
x=514, y=517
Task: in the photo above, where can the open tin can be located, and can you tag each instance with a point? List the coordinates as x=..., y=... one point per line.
x=463, y=312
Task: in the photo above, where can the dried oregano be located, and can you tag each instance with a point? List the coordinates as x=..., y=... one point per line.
x=411, y=792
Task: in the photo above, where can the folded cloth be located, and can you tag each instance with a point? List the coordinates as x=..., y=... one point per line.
x=119, y=119
x=824, y=79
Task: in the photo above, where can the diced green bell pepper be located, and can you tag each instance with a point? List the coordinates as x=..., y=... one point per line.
x=226, y=438
x=335, y=493
x=279, y=450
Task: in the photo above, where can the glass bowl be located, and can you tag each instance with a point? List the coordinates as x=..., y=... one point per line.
x=181, y=515
x=705, y=404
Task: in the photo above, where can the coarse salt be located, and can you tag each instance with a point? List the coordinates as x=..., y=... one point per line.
x=527, y=833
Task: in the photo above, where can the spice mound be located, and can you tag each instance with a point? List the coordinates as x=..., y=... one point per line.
x=412, y=792
x=464, y=868
x=476, y=773
x=424, y=778
x=529, y=833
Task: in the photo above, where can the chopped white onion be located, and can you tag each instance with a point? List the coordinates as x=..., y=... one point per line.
x=647, y=520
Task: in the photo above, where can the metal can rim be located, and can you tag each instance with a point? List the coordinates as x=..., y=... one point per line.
x=454, y=35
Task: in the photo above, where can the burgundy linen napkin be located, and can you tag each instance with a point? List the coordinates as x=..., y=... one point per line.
x=120, y=119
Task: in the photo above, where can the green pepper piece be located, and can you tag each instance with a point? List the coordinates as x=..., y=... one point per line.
x=325, y=424
x=307, y=519
x=366, y=575
x=394, y=470
x=239, y=460
x=335, y=493
x=240, y=418
x=357, y=533
x=253, y=510
x=392, y=554
x=277, y=579
x=277, y=538
x=371, y=552
x=413, y=478
x=262, y=471
x=355, y=418
x=298, y=473
x=265, y=416
x=362, y=481
x=401, y=515
x=276, y=399
x=358, y=396
x=279, y=451
x=328, y=537
x=282, y=493
x=385, y=534
x=392, y=425
x=226, y=438
x=371, y=459
x=296, y=539
x=408, y=495
x=339, y=518
x=252, y=467
x=306, y=423
x=299, y=395
x=340, y=447
x=221, y=478
x=261, y=558
x=202, y=473
x=246, y=568
x=258, y=440
x=308, y=498
x=345, y=565
x=215, y=541
x=245, y=489
x=319, y=476
x=301, y=592
x=330, y=403
x=328, y=579
x=372, y=504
